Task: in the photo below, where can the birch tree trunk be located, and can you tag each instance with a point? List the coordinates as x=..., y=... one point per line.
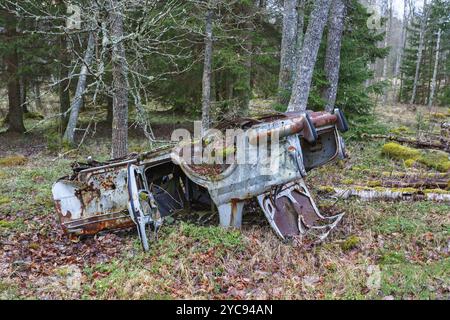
x=288, y=50
x=207, y=69
x=387, y=4
x=333, y=53
x=411, y=10
x=419, y=52
x=300, y=33
x=305, y=67
x=77, y=102
x=399, y=60
x=436, y=64
x=120, y=83
x=64, y=76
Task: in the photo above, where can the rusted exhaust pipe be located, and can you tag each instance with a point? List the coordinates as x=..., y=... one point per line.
x=302, y=124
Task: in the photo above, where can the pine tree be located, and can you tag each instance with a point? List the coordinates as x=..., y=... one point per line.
x=437, y=19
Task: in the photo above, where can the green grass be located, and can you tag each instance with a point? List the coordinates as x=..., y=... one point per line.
x=392, y=257
x=207, y=237
x=406, y=280
x=182, y=249
x=8, y=290
x=406, y=225
x=11, y=225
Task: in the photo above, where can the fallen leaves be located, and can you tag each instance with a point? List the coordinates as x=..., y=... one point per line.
x=33, y=257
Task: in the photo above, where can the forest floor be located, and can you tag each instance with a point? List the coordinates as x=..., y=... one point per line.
x=381, y=250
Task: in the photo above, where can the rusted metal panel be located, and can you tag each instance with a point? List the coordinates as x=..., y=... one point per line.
x=94, y=201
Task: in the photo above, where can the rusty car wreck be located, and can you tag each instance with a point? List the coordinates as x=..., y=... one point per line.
x=144, y=189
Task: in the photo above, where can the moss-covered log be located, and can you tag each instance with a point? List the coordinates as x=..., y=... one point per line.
x=434, y=159
x=380, y=193
x=422, y=183
x=423, y=144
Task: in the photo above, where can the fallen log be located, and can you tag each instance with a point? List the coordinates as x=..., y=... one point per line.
x=370, y=194
x=423, y=144
x=410, y=176
x=412, y=182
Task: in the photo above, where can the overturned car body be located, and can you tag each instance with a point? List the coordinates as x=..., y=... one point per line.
x=143, y=189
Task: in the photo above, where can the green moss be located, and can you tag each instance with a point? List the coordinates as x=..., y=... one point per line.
x=363, y=188
x=383, y=189
x=363, y=169
x=400, y=130
x=405, y=190
x=4, y=200
x=347, y=181
x=434, y=159
x=374, y=183
x=397, y=151
x=350, y=243
x=438, y=191
x=326, y=189
x=438, y=160
x=410, y=163
x=421, y=174
x=143, y=196
x=17, y=160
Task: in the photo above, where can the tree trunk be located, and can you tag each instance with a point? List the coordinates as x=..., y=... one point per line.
x=109, y=112
x=120, y=83
x=23, y=94
x=77, y=102
x=245, y=94
x=207, y=69
x=398, y=57
x=333, y=54
x=15, y=111
x=300, y=33
x=401, y=53
x=436, y=64
x=311, y=44
x=419, y=52
x=37, y=96
x=288, y=50
x=387, y=28
x=64, y=82
x=371, y=194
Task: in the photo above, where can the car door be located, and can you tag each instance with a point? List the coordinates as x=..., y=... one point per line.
x=142, y=205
